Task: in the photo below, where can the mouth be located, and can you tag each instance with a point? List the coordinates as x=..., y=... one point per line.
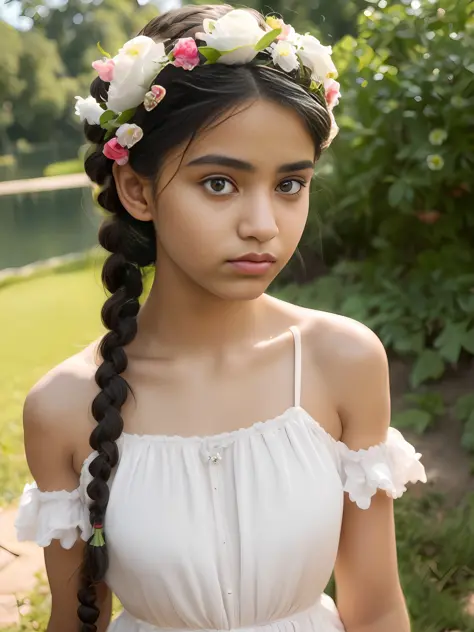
x=253, y=264
x=254, y=257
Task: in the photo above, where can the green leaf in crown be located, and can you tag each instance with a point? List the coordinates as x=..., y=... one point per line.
x=267, y=39
x=106, y=117
x=111, y=121
x=125, y=116
x=211, y=54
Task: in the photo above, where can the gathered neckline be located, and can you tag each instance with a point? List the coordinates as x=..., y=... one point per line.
x=258, y=426
x=228, y=437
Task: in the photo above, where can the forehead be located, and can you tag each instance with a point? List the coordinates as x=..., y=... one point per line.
x=263, y=133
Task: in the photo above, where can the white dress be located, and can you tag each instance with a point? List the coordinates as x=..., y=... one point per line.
x=234, y=531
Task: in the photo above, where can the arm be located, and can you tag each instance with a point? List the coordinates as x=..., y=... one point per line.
x=369, y=595
x=49, y=450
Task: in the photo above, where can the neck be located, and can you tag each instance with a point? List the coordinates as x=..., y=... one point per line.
x=184, y=316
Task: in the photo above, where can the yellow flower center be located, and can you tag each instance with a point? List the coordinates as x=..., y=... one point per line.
x=274, y=23
x=134, y=51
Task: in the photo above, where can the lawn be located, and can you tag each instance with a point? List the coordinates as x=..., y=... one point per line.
x=43, y=320
x=52, y=315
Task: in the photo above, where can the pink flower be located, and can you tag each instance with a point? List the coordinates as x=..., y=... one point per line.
x=186, y=54
x=105, y=68
x=333, y=93
x=287, y=31
x=114, y=150
x=152, y=98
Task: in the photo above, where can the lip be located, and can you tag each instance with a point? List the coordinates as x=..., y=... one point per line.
x=255, y=257
x=251, y=268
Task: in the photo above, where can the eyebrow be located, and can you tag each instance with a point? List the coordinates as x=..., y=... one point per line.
x=242, y=165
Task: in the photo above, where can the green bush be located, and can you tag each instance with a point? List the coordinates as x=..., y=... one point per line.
x=64, y=168
x=405, y=154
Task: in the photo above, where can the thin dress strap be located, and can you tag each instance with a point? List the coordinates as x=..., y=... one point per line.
x=297, y=371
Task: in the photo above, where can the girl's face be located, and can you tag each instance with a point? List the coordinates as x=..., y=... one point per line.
x=241, y=188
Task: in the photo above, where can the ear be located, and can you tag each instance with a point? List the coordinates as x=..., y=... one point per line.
x=135, y=192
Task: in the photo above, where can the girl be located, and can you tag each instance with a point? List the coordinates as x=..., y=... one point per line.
x=226, y=425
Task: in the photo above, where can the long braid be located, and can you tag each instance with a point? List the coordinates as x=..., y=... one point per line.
x=132, y=247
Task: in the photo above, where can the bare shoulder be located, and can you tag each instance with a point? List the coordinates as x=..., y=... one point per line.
x=56, y=413
x=334, y=339
x=65, y=390
x=343, y=341
x=354, y=362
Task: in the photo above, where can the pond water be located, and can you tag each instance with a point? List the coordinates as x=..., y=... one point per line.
x=36, y=226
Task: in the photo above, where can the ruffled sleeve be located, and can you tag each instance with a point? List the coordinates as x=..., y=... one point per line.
x=46, y=516
x=388, y=466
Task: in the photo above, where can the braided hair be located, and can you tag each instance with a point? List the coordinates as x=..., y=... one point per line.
x=193, y=100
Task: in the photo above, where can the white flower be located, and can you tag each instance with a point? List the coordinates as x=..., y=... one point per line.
x=88, y=110
x=316, y=57
x=128, y=135
x=238, y=31
x=435, y=162
x=284, y=55
x=137, y=63
x=438, y=136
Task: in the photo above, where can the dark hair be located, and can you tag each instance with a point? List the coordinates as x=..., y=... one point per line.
x=193, y=100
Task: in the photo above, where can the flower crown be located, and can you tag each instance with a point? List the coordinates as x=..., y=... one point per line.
x=235, y=38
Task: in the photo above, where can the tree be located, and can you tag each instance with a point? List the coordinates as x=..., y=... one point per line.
x=329, y=19
x=44, y=68
x=11, y=85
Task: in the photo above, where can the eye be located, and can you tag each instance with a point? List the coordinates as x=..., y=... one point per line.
x=218, y=186
x=291, y=187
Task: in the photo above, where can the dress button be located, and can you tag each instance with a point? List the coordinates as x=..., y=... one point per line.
x=215, y=458
x=229, y=592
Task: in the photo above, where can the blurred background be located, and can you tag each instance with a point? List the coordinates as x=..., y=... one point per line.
x=390, y=242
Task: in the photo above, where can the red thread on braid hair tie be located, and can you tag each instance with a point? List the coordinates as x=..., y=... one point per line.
x=98, y=536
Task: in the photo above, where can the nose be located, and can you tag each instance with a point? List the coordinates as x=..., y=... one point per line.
x=258, y=219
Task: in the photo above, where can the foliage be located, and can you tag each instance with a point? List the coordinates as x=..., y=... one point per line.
x=436, y=558
x=408, y=86
x=64, y=167
x=35, y=609
x=331, y=20
x=465, y=413
x=425, y=409
x=44, y=68
x=7, y=160
x=8, y=163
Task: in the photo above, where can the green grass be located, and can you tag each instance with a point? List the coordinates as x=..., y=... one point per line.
x=43, y=320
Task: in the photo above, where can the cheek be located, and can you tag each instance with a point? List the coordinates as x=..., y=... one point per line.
x=185, y=230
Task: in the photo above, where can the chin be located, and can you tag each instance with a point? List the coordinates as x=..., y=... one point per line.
x=244, y=290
